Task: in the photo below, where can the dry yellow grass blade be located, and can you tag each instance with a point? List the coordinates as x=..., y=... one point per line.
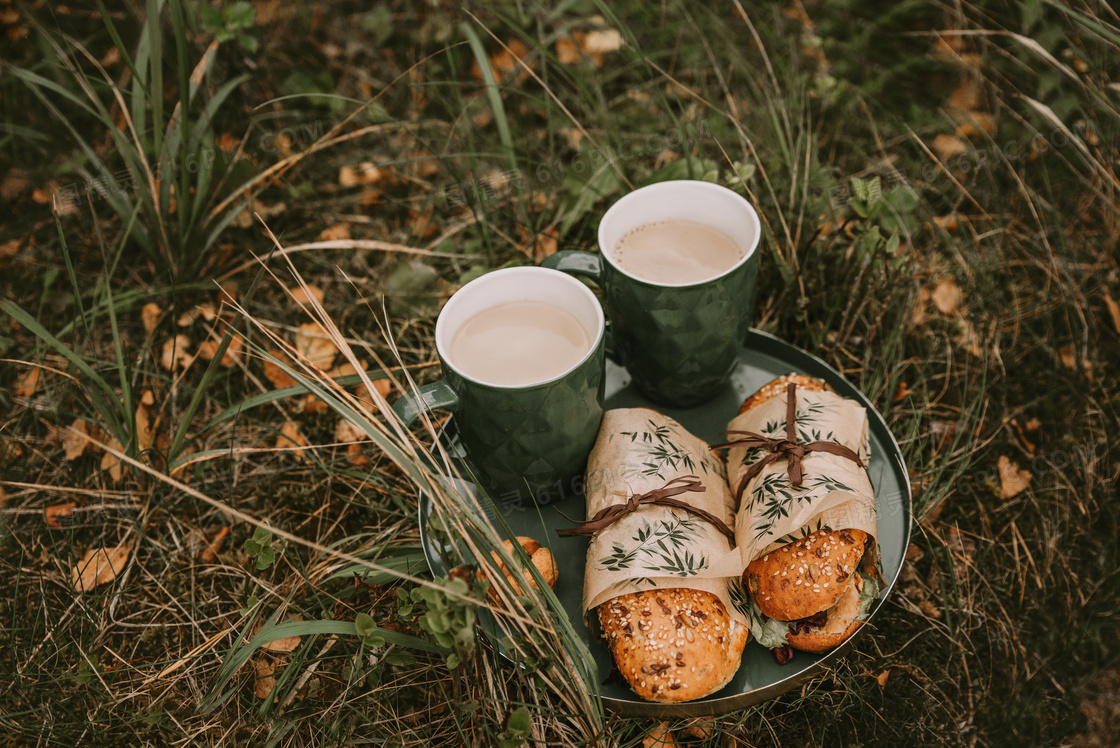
x=206, y=646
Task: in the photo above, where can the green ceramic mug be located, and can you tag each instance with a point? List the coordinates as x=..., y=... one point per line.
x=527, y=439
x=679, y=342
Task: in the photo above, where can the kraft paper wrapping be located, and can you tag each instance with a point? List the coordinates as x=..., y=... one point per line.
x=639, y=450
x=835, y=491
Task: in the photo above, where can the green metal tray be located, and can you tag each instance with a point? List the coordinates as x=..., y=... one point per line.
x=759, y=677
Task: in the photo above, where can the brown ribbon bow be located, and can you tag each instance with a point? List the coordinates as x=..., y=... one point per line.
x=787, y=448
x=660, y=496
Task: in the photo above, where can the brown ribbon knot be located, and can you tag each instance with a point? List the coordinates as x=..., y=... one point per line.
x=787, y=448
x=660, y=496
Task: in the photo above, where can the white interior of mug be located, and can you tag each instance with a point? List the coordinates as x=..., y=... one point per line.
x=519, y=284
x=681, y=200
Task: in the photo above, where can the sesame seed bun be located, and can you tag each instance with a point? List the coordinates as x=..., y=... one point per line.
x=673, y=644
x=778, y=386
x=841, y=621
x=807, y=576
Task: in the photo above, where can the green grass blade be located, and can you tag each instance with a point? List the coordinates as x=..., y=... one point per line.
x=117, y=42
x=105, y=398
x=272, y=631
x=492, y=93
x=272, y=396
x=153, y=34
x=199, y=393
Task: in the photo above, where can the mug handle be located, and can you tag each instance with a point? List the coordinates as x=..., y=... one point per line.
x=410, y=405
x=575, y=262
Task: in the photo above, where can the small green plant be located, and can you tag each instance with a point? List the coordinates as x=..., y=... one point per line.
x=518, y=729
x=446, y=617
x=233, y=21
x=162, y=176
x=880, y=217
x=260, y=547
x=249, y=605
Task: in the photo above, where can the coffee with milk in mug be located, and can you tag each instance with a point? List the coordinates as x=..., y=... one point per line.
x=518, y=343
x=676, y=252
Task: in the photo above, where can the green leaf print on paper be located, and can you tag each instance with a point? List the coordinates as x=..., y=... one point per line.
x=776, y=497
x=662, y=453
x=678, y=565
x=652, y=540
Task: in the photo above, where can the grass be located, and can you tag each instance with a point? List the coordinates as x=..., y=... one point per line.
x=393, y=166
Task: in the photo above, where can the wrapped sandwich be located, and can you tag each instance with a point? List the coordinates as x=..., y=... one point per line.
x=659, y=514
x=806, y=525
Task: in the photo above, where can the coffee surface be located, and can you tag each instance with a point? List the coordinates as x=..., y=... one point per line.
x=519, y=343
x=676, y=252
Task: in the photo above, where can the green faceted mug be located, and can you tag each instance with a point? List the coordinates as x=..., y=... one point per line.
x=679, y=342
x=530, y=439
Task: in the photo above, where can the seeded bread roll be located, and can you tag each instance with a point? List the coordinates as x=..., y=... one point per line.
x=841, y=621
x=806, y=576
x=778, y=387
x=813, y=585
x=673, y=644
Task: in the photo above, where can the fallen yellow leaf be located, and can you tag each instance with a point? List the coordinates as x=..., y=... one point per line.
x=335, y=233
x=312, y=405
x=929, y=609
x=968, y=96
x=345, y=432
x=206, y=311
x=99, y=566
x=75, y=440
x=207, y=349
x=290, y=437
x=227, y=292
x=973, y=125
x=601, y=42
x=264, y=683
x=276, y=375
x=53, y=515
x=947, y=296
x=111, y=462
x=316, y=347
x=1012, y=480
x=344, y=369
x=175, y=353
x=287, y=644
x=149, y=315
x=970, y=339
x=949, y=146
x=504, y=61
x=881, y=678
x=143, y=428
x=1068, y=354
x=28, y=383
x=949, y=224
x=365, y=173
x=659, y=737
x=918, y=316
x=302, y=295
x=567, y=51
x=209, y=554
x=1113, y=311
